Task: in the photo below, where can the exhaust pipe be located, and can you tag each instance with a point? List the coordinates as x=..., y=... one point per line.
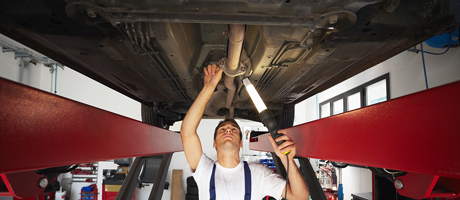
x=235, y=45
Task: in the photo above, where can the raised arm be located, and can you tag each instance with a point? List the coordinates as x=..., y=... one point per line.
x=296, y=188
x=190, y=139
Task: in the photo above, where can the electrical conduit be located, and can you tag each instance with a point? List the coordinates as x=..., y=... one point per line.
x=55, y=80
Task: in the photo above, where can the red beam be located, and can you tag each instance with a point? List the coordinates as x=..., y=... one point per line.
x=23, y=184
x=415, y=133
x=421, y=186
x=41, y=130
x=9, y=190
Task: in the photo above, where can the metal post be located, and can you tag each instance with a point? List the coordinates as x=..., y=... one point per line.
x=158, y=186
x=316, y=191
x=129, y=184
x=340, y=186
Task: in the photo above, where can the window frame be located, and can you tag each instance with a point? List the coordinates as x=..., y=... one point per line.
x=362, y=91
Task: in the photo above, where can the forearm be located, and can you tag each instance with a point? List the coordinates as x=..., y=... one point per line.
x=298, y=187
x=193, y=117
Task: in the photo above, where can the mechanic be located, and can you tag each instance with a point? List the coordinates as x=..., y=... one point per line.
x=229, y=177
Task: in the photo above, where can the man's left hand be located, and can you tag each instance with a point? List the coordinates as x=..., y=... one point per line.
x=287, y=145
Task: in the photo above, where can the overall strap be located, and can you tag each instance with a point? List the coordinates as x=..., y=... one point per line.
x=212, y=184
x=247, y=181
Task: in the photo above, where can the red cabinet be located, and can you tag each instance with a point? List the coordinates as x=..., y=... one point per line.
x=109, y=192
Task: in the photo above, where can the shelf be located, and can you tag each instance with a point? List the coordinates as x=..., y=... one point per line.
x=84, y=176
x=86, y=168
x=92, y=182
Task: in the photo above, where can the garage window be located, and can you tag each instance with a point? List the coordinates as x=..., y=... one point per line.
x=372, y=92
x=354, y=101
x=338, y=107
x=326, y=110
x=376, y=92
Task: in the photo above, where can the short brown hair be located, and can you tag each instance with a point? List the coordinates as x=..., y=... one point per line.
x=228, y=120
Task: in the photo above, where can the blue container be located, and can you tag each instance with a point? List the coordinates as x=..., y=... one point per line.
x=87, y=189
x=442, y=41
x=266, y=161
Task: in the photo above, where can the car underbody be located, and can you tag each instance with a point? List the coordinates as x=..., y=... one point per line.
x=155, y=51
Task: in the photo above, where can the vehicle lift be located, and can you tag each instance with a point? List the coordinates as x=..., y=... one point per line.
x=417, y=133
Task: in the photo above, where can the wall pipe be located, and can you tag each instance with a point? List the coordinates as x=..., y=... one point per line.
x=55, y=80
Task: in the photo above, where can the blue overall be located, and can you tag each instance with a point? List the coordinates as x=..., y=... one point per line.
x=247, y=182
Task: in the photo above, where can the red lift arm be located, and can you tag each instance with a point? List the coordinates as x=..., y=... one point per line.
x=417, y=133
x=41, y=130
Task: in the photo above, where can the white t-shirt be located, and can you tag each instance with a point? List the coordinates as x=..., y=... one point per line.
x=230, y=181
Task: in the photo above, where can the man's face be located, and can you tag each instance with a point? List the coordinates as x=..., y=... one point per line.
x=228, y=136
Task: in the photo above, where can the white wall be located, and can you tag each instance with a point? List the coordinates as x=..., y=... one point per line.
x=76, y=86
x=13, y=69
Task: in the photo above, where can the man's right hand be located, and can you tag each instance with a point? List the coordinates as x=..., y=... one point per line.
x=212, y=75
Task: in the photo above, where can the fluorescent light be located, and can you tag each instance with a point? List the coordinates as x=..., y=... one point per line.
x=260, y=105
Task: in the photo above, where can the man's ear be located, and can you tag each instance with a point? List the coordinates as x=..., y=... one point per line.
x=241, y=144
x=214, y=144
